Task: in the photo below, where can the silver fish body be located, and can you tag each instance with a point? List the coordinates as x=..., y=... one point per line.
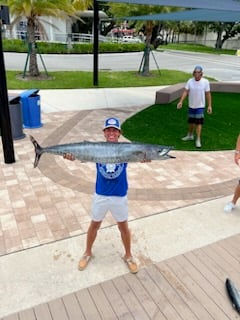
x=106, y=152
x=233, y=294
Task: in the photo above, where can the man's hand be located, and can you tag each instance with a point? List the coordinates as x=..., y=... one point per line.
x=209, y=110
x=68, y=156
x=179, y=105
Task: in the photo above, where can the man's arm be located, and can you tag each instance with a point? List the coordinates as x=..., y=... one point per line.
x=180, y=103
x=237, y=151
x=209, y=101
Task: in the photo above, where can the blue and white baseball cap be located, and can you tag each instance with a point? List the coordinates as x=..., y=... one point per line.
x=198, y=68
x=112, y=123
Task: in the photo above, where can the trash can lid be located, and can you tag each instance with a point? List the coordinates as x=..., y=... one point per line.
x=29, y=93
x=13, y=99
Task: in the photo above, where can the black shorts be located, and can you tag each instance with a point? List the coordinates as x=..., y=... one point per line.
x=196, y=116
x=196, y=121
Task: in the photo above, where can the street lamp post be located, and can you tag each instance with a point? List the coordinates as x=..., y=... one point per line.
x=5, y=123
x=95, y=42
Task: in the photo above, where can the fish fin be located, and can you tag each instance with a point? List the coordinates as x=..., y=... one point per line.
x=38, y=151
x=233, y=294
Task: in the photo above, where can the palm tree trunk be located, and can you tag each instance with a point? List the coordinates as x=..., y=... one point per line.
x=146, y=62
x=146, y=57
x=33, y=66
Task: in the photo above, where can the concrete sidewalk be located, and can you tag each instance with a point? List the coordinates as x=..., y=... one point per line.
x=44, y=212
x=85, y=99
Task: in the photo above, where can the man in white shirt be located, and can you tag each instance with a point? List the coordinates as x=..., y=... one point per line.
x=198, y=91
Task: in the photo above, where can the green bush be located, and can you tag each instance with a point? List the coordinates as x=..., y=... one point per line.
x=16, y=45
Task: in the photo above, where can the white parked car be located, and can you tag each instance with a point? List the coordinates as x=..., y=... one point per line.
x=131, y=39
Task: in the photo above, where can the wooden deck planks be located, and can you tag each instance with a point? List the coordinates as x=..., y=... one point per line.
x=118, y=305
x=102, y=304
x=223, y=260
x=73, y=308
x=58, y=310
x=187, y=287
x=143, y=296
x=163, y=280
x=42, y=312
x=27, y=315
x=232, y=246
x=130, y=299
x=215, y=277
x=150, y=279
x=87, y=305
x=209, y=281
x=210, y=297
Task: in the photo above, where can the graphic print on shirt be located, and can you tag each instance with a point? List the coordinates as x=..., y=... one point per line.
x=111, y=170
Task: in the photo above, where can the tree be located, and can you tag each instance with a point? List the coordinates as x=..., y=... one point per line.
x=120, y=10
x=225, y=31
x=33, y=11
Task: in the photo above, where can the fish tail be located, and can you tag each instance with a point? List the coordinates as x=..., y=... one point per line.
x=38, y=151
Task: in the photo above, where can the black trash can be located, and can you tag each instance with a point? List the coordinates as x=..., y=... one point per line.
x=31, y=109
x=15, y=111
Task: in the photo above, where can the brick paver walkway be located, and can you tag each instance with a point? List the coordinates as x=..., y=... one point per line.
x=52, y=202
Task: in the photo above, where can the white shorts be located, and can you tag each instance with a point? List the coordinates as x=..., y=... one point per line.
x=118, y=206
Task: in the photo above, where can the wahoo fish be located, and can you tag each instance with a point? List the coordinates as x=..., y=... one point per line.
x=233, y=294
x=105, y=152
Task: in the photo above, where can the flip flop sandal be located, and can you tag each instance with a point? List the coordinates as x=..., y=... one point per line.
x=84, y=262
x=132, y=265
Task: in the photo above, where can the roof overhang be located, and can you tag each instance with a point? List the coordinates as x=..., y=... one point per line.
x=227, y=5
x=192, y=15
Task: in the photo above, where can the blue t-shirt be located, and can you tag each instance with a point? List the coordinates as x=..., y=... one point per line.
x=111, y=179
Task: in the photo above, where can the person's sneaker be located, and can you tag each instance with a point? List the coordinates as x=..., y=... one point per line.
x=198, y=143
x=229, y=207
x=188, y=138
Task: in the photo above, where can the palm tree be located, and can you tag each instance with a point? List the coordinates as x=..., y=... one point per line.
x=119, y=10
x=33, y=10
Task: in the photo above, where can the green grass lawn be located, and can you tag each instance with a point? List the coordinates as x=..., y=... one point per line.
x=165, y=124
x=196, y=48
x=84, y=80
x=158, y=124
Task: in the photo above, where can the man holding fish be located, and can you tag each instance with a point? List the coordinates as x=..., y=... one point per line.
x=111, y=158
x=110, y=195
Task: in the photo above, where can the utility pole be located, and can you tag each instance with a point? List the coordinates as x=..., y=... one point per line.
x=95, y=42
x=5, y=123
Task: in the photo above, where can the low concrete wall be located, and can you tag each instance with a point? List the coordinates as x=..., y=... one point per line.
x=171, y=93
x=225, y=86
